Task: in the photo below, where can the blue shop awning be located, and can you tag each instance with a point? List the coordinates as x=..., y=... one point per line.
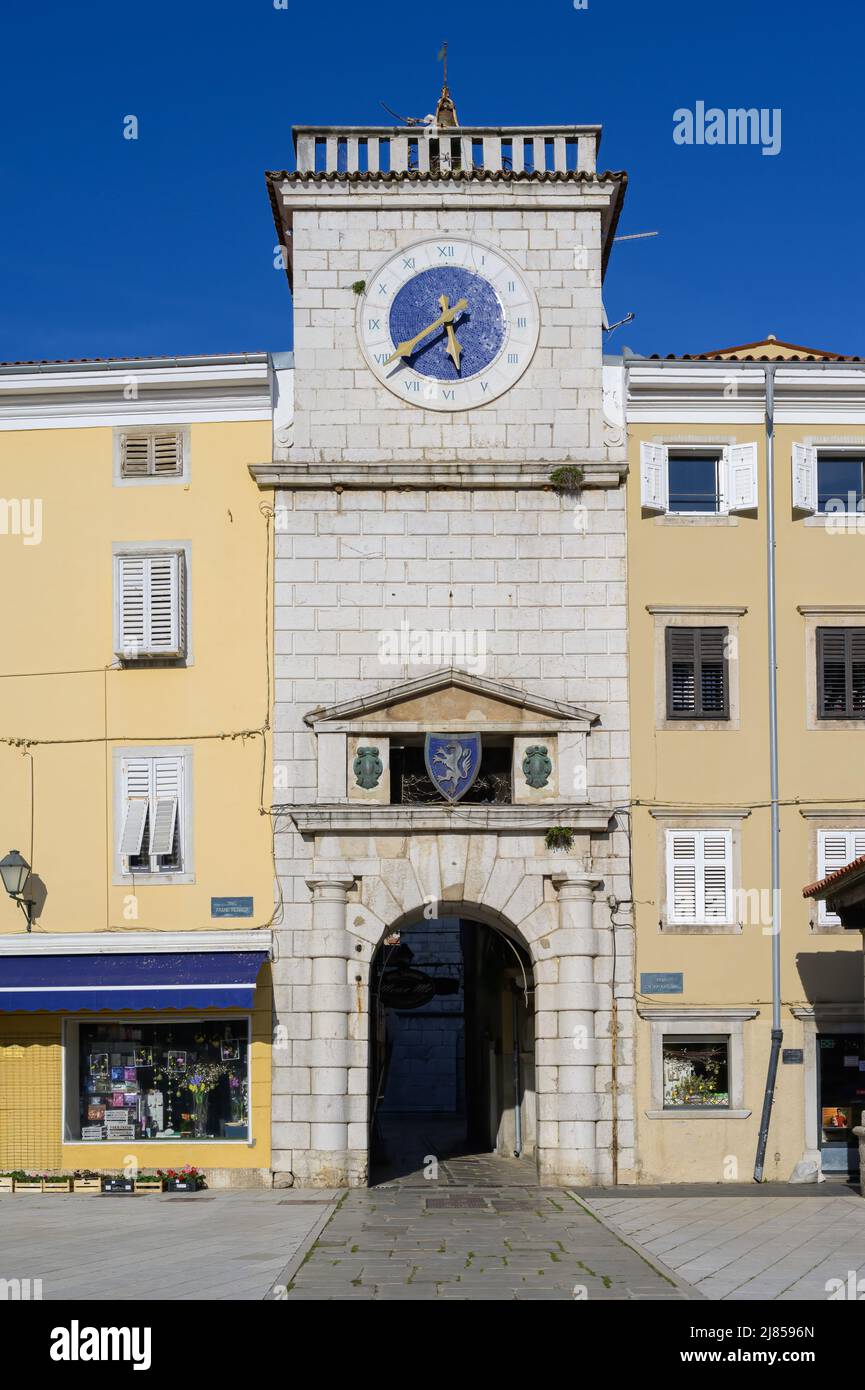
x=185, y=980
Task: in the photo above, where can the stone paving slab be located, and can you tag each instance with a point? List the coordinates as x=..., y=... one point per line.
x=388, y=1243
x=747, y=1247
x=232, y=1246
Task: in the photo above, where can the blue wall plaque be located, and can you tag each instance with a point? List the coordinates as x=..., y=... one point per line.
x=662, y=982
x=231, y=907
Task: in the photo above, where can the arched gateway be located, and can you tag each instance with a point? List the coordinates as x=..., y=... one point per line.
x=381, y=866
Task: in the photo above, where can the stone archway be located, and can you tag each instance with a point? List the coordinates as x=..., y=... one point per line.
x=545, y=903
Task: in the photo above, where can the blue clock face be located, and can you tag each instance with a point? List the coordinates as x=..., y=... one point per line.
x=448, y=323
x=480, y=328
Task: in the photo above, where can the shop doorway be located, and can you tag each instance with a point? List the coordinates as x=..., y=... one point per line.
x=452, y=1069
x=841, y=1099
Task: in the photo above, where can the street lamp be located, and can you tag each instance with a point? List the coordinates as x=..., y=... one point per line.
x=14, y=871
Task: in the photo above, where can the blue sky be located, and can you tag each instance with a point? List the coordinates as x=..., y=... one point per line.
x=165, y=244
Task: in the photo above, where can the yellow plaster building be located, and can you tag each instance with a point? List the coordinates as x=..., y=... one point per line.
x=134, y=709
x=699, y=642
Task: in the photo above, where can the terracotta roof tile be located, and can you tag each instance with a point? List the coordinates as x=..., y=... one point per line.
x=816, y=889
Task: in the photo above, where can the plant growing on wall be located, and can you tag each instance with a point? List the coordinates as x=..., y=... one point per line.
x=559, y=837
x=568, y=478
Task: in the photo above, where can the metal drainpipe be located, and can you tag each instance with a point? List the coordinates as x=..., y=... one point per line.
x=777, y=1035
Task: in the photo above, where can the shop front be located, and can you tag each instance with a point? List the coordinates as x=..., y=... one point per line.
x=152, y=1058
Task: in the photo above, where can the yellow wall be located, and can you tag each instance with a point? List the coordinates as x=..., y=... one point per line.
x=58, y=695
x=55, y=688
x=671, y=562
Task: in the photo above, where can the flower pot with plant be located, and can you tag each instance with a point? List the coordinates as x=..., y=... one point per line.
x=148, y=1182
x=7, y=1182
x=28, y=1182
x=85, y=1180
x=185, y=1179
x=55, y=1182
x=117, y=1184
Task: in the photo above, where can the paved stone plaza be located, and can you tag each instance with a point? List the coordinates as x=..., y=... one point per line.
x=482, y=1229
x=213, y=1245
x=756, y=1245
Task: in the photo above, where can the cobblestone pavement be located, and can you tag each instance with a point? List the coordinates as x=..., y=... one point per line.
x=754, y=1246
x=482, y=1229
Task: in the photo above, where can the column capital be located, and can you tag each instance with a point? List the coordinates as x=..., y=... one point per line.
x=331, y=888
x=570, y=883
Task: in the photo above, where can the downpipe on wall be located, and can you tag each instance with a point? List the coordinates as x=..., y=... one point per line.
x=777, y=1034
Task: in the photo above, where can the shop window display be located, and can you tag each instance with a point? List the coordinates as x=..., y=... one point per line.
x=156, y=1081
x=696, y=1073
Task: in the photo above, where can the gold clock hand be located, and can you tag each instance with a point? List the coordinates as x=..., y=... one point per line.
x=454, y=351
x=446, y=316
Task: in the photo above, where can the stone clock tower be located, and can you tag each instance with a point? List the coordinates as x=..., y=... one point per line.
x=451, y=738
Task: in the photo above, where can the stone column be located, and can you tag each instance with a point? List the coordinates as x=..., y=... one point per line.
x=329, y=1051
x=573, y=1041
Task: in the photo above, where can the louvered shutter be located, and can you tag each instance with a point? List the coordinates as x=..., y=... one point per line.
x=713, y=691
x=835, y=848
x=134, y=456
x=699, y=876
x=152, y=605
x=741, y=482
x=167, y=616
x=841, y=672
x=804, y=463
x=136, y=794
x=681, y=670
x=154, y=453
x=654, y=477
x=167, y=774
x=132, y=581
x=167, y=454
x=682, y=885
x=717, y=857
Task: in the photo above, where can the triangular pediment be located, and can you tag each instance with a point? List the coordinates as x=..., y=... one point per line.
x=450, y=697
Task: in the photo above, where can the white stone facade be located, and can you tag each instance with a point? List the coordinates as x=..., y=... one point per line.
x=391, y=518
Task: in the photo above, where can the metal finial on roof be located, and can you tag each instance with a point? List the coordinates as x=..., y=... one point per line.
x=446, y=112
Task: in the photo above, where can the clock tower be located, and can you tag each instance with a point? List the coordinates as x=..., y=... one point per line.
x=450, y=718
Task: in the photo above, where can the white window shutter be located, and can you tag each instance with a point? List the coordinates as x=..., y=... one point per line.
x=151, y=603
x=167, y=779
x=166, y=576
x=804, y=478
x=136, y=797
x=654, y=478
x=132, y=832
x=717, y=874
x=683, y=889
x=835, y=848
x=167, y=448
x=132, y=603
x=151, y=454
x=741, y=461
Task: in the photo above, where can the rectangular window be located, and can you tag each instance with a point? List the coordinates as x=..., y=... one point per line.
x=839, y=482
x=150, y=605
x=152, y=823
x=152, y=1081
x=152, y=454
x=699, y=877
x=697, y=679
x=835, y=848
x=841, y=672
x=696, y=1072
x=695, y=482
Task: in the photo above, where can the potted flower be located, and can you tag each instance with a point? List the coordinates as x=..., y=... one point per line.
x=148, y=1181
x=7, y=1182
x=185, y=1179
x=55, y=1182
x=28, y=1182
x=117, y=1184
x=85, y=1180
